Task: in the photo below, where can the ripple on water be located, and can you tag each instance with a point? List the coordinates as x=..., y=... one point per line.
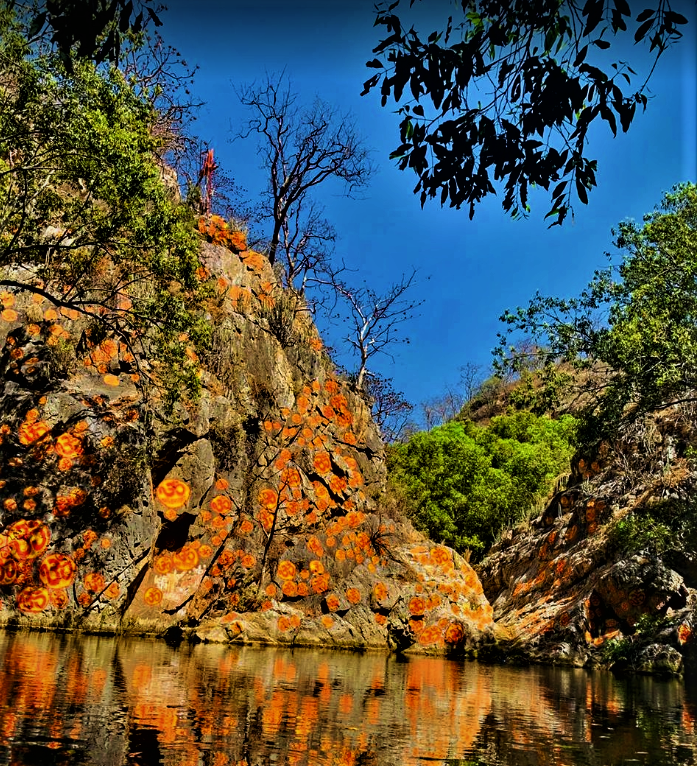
x=107, y=702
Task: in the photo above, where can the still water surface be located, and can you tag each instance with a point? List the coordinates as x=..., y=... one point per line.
x=87, y=700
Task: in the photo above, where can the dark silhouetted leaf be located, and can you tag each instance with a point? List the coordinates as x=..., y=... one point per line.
x=643, y=29
x=646, y=14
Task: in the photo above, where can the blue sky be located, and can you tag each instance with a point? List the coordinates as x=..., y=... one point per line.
x=469, y=272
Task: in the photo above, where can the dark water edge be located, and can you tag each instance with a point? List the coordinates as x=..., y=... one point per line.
x=72, y=699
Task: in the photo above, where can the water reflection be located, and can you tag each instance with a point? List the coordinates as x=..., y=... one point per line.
x=70, y=700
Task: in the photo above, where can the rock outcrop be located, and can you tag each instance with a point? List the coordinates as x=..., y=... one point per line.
x=250, y=516
x=568, y=588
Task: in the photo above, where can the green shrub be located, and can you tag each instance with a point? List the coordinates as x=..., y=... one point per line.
x=467, y=482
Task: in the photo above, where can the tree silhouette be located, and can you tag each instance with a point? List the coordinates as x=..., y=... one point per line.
x=505, y=94
x=301, y=148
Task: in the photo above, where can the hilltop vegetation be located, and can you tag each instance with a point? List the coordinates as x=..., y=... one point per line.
x=86, y=219
x=463, y=483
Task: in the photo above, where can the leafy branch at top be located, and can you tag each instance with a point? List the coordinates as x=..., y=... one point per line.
x=507, y=95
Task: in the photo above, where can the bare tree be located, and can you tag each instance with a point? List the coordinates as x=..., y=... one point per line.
x=390, y=409
x=158, y=72
x=306, y=244
x=372, y=319
x=441, y=409
x=300, y=147
x=471, y=378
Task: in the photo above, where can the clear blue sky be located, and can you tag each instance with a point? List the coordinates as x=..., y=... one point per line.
x=469, y=271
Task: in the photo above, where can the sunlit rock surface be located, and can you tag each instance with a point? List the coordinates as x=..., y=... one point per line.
x=251, y=517
x=564, y=590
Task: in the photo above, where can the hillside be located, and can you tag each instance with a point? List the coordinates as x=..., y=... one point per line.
x=250, y=515
x=607, y=575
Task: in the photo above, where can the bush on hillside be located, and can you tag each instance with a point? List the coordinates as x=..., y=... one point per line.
x=465, y=482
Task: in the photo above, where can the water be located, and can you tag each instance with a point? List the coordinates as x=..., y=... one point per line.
x=88, y=700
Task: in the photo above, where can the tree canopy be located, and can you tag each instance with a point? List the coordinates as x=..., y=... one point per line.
x=466, y=482
x=507, y=92
x=635, y=324
x=86, y=29
x=86, y=220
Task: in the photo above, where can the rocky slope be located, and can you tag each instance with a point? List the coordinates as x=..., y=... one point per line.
x=596, y=579
x=250, y=516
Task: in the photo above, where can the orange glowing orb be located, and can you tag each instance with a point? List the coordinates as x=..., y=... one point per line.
x=186, y=559
x=31, y=432
x=57, y=571
x=33, y=600
x=221, y=505
x=94, y=581
x=173, y=493
x=8, y=572
x=28, y=539
x=152, y=596
x=68, y=446
x=59, y=599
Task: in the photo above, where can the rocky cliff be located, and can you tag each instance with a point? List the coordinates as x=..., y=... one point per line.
x=607, y=574
x=251, y=515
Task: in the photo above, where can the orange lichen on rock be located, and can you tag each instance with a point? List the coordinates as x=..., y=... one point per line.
x=454, y=633
x=112, y=591
x=253, y=260
x=68, y=446
x=417, y=606
x=31, y=431
x=291, y=478
x=379, y=592
x=186, y=559
x=57, y=571
x=33, y=600
x=94, y=582
x=431, y=634
x=152, y=596
x=221, y=504
x=290, y=588
x=332, y=602
x=268, y=498
x=320, y=583
x=315, y=546
x=322, y=462
x=173, y=493
x=353, y=595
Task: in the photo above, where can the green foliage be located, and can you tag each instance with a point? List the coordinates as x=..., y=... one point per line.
x=506, y=94
x=656, y=528
x=642, y=533
x=616, y=650
x=634, y=324
x=87, y=29
x=467, y=482
x=85, y=218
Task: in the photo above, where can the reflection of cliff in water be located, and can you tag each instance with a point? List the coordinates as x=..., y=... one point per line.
x=108, y=702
